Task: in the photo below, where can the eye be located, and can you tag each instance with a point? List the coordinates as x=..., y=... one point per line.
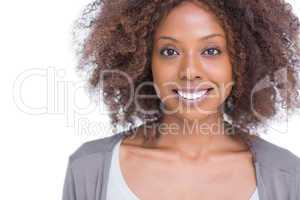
x=212, y=52
x=168, y=52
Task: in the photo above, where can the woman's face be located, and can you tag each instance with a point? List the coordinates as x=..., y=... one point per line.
x=190, y=56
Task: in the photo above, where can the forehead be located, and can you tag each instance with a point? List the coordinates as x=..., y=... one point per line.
x=189, y=19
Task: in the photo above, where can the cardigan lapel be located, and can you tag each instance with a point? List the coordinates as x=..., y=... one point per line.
x=257, y=165
x=107, y=163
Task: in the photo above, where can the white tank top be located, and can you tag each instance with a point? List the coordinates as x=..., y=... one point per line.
x=117, y=187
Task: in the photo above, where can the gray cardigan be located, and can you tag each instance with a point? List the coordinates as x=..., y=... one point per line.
x=277, y=170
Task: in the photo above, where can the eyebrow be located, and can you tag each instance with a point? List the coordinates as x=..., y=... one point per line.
x=202, y=38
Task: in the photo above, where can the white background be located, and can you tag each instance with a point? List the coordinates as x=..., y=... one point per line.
x=35, y=143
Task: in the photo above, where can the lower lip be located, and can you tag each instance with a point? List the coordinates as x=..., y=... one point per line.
x=192, y=101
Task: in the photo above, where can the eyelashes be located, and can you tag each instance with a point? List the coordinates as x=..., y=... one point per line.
x=167, y=51
x=171, y=52
x=212, y=52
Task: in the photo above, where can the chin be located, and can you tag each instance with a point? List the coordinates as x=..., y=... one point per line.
x=194, y=111
x=195, y=115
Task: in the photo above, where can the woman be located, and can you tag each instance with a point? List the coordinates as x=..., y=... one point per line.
x=203, y=60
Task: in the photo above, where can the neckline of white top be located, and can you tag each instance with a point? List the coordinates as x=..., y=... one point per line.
x=122, y=185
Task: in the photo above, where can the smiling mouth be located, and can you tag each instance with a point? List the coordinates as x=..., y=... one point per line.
x=192, y=96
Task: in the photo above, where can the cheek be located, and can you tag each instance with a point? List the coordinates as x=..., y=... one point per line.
x=219, y=72
x=221, y=75
x=163, y=77
x=163, y=72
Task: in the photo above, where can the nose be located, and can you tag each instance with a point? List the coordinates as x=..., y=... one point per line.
x=191, y=69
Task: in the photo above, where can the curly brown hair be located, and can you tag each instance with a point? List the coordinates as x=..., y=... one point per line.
x=263, y=38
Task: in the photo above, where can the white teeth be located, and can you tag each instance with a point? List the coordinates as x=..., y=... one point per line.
x=193, y=95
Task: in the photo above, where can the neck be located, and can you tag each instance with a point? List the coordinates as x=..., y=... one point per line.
x=194, y=137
